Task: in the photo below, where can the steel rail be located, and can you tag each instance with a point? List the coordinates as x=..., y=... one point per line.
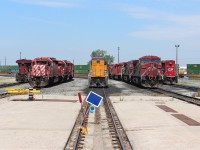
x=185, y=98
x=120, y=139
x=10, y=84
x=78, y=133
x=5, y=94
x=75, y=145
x=194, y=88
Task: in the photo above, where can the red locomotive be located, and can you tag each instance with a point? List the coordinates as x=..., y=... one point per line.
x=110, y=70
x=116, y=72
x=128, y=71
x=23, y=71
x=169, y=72
x=62, y=70
x=47, y=71
x=69, y=70
x=145, y=72
x=44, y=72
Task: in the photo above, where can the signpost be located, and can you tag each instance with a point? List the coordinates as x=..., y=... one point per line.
x=95, y=100
x=80, y=98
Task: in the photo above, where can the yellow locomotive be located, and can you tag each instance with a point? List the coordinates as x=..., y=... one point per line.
x=98, y=73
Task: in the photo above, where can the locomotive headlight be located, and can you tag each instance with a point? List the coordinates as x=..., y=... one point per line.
x=143, y=67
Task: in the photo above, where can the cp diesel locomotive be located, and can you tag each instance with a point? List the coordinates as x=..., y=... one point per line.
x=24, y=67
x=47, y=71
x=169, y=72
x=146, y=71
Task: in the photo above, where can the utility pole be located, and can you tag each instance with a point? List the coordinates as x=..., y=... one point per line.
x=20, y=55
x=177, y=46
x=5, y=60
x=118, y=53
x=177, y=66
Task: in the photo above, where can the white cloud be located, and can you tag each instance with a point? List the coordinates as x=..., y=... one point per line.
x=166, y=33
x=179, y=27
x=49, y=3
x=136, y=11
x=160, y=25
x=40, y=20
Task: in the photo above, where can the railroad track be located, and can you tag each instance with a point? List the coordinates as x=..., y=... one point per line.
x=113, y=133
x=193, y=88
x=11, y=84
x=5, y=94
x=185, y=98
x=75, y=137
x=117, y=130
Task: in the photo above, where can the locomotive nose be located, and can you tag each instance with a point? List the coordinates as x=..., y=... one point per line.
x=153, y=69
x=153, y=64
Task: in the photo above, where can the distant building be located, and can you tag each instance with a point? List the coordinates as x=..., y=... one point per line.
x=182, y=71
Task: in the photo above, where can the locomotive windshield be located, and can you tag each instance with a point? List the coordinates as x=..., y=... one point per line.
x=41, y=62
x=60, y=64
x=146, y=60
x=156, y=60
x=20, y=65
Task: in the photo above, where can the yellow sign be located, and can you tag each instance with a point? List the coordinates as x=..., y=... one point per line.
x=21, y=91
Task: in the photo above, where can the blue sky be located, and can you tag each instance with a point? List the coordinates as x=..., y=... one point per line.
x=72, y=29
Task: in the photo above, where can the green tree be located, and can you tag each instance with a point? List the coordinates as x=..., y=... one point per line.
x=103, y=53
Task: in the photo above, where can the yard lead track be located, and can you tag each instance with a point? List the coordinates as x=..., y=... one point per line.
x=116, y=132
x=75, y=138
x=189, y=87
x=5, y=94
x=10, y=84
x=185, y=98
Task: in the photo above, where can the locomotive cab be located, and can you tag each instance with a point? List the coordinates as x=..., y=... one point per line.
x=24, y=66
x=169, y=72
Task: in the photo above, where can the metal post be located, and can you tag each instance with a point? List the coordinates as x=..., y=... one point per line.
x=177, y=53
x=118, y=54
x=5, y=60
x=177, y=66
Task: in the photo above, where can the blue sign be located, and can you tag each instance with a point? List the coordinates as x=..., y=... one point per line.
x=94, y=99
